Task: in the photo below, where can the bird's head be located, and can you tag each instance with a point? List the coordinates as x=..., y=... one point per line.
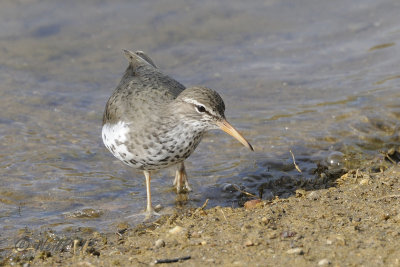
x=204, y=108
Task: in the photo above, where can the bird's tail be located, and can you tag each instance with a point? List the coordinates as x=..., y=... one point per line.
x=138, y=58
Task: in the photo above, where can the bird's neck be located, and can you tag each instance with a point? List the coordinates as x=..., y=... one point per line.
x=180, y=124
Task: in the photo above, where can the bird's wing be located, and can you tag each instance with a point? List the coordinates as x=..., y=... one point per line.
x=143, y=75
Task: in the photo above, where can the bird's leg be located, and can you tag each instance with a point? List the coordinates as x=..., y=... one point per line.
x=181, y=181
x=149, y=210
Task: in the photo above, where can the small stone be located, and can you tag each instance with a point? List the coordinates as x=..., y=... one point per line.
x=288, y=234
x=300, y=193
x=158, y=207
x=313, y=195
x=176, y=230
x=248, y=243
x=159, y=243
x=196, y=234
x=324, y=262
x=228, y=188
x=203, y=243
x=364, y=181
x=296, y=251
x=329, y=242
x=251, y=204
x=264, y=220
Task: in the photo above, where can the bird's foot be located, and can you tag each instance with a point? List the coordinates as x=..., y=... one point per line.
x=149, y=214
x=185, y=188
x=181, y=181
x=146, y=216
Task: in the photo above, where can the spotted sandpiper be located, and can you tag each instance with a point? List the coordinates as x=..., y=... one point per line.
x=151, y=121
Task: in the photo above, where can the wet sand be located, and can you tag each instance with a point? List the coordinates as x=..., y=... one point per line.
x=353, y=222
x=316, y=78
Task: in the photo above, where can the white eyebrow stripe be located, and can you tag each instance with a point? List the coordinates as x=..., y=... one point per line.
x=195, y=102
x=192, y=101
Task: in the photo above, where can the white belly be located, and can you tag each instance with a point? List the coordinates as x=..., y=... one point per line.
x=114, y=138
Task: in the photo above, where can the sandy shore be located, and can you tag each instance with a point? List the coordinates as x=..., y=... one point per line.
x=353, y=223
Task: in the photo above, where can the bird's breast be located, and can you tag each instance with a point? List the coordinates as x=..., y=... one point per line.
x=146, y=149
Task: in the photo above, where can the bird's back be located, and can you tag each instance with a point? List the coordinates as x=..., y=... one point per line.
x=141, y=92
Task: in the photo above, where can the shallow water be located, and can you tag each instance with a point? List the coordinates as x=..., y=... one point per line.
x=319, y=78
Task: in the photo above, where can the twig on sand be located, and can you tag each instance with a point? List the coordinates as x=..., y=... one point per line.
x=172, y=260
x=201, y=209
x=85, y=246
x=388, y=157
x=294, y=161
x=223, y=214
x=205, y=204
x=244, y=192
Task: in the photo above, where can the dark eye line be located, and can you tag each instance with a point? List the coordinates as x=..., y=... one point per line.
x=203, y=109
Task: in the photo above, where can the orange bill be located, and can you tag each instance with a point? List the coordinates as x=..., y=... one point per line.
x=226, y=127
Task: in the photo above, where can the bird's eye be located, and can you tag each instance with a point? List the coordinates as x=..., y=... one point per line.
x=200, y=108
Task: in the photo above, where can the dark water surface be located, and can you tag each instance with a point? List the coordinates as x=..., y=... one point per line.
x=319, y=78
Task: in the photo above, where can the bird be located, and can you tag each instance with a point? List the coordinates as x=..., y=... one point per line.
x=151, y=121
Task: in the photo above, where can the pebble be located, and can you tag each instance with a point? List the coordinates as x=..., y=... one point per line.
x=288, y=234
x=364, y=181
x=176, y=230
x=251, y=204
x=296, y=251
x=264, y=220
x=228, y=187
x=300, y=193
x=248, y=243
x=386, y=216
x=314, y=195
x=159, y=243
x=324, y=262
x=196, y=234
